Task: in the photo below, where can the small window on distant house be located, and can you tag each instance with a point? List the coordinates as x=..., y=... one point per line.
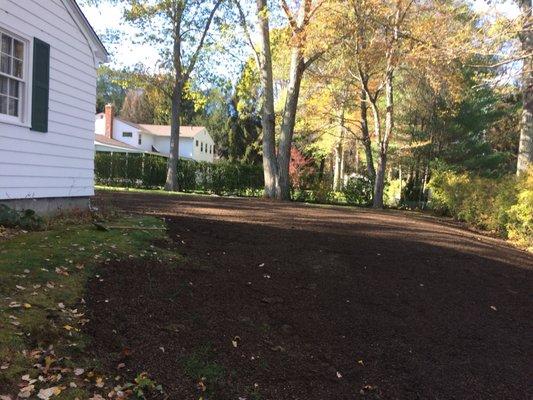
x=140, y=141
x=12, y=79
x=197, y=143
x=201, y=146
x=127, y=134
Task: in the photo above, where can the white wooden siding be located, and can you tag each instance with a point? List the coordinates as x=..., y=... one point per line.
x=205, y=138
x=60, y=162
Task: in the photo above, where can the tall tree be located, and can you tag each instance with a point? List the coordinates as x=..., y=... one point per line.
x=299, y=16
x=388, y=38
x=181, y=27
x=525, y=150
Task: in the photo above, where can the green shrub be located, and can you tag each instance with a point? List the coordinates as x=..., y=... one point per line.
x=502, y=205
x=358, y=191
x=26, y=219
x=520, y=216
x=448, y=192
x=392, y=193
x=321, y=192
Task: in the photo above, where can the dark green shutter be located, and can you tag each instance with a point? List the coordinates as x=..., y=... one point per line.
x=40, y=86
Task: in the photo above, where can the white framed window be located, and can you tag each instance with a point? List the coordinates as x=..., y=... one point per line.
x=14, y=77
x=127, y=134
x=140, y=141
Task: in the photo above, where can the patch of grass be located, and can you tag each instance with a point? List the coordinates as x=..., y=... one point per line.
x=264, y=328
x=42, y=280
x=200, y=367
x=150, y=191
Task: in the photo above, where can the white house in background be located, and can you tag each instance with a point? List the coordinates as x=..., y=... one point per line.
x=114, y=134
x=48, y=59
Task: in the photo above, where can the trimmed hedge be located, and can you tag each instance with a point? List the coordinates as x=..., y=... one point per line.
x=149, y=171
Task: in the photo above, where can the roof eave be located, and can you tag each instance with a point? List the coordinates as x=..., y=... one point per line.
x=100, y=51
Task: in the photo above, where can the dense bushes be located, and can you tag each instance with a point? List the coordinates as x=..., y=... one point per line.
x=130, y=170
x=502, y=205
x=25, y=219
x=358, y=191
x=149, y=171
x=520, y=215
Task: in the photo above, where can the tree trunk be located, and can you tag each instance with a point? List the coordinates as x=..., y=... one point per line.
x=365, y=136
x=384, y=143
x=357, y=156
x=337, y=167
x=172, y=183
x=525, y=149
x=379, y=184
x=289, y=119
x=339, y=157
x=268, y=120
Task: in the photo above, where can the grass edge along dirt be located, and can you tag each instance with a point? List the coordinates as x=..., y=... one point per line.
x=42, y=281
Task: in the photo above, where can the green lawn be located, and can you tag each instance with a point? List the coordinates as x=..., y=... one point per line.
x=148, y=191
x=42, y=280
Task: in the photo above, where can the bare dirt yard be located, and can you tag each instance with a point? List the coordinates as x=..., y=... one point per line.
x=289, y=301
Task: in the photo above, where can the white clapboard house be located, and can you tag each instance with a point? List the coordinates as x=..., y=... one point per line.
x=115, y=134
x=48, y=59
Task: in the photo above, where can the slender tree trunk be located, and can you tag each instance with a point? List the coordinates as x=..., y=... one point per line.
x=365, y=136
x=339, y=155
x=172, y=183
x=357, y=156
x=525, y=149
x=341, y=174
x=401, y=183
x=289, y=119
x=268, y=120
x=321, y=169
x=337, y=167
x=379, y=184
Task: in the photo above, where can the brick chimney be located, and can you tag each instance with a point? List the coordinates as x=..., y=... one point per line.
x=109, y=114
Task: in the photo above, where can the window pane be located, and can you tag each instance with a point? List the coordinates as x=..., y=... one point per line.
x=3, y=85
x=13, y=107
x=14, y=88
x=17, y=68
x=3, y=105
x=18, y=50
x=6, y=44
x=5, y=64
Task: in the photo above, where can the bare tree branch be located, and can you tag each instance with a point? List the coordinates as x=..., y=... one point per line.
x=244, y=26
x=194, y=58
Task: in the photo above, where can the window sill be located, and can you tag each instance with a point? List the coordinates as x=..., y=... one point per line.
x=9, y=121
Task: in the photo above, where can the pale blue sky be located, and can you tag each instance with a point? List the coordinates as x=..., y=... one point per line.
x=129, y=53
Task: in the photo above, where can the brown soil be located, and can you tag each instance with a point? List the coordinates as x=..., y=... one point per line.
x=284, y=301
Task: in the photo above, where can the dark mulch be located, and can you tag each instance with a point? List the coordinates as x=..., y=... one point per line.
x=337, y=305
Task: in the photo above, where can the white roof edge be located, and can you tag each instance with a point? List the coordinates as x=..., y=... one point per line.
x=82, y=22
x=129, y=150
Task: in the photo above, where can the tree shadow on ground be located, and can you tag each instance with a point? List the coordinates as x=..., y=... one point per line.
x=304, y=312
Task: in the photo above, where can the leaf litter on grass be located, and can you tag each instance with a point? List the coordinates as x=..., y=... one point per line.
x=42, y=347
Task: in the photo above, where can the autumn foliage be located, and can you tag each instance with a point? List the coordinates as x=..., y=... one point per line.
x=300, y=168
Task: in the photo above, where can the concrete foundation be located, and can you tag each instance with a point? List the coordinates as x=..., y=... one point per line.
x=50, y=206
